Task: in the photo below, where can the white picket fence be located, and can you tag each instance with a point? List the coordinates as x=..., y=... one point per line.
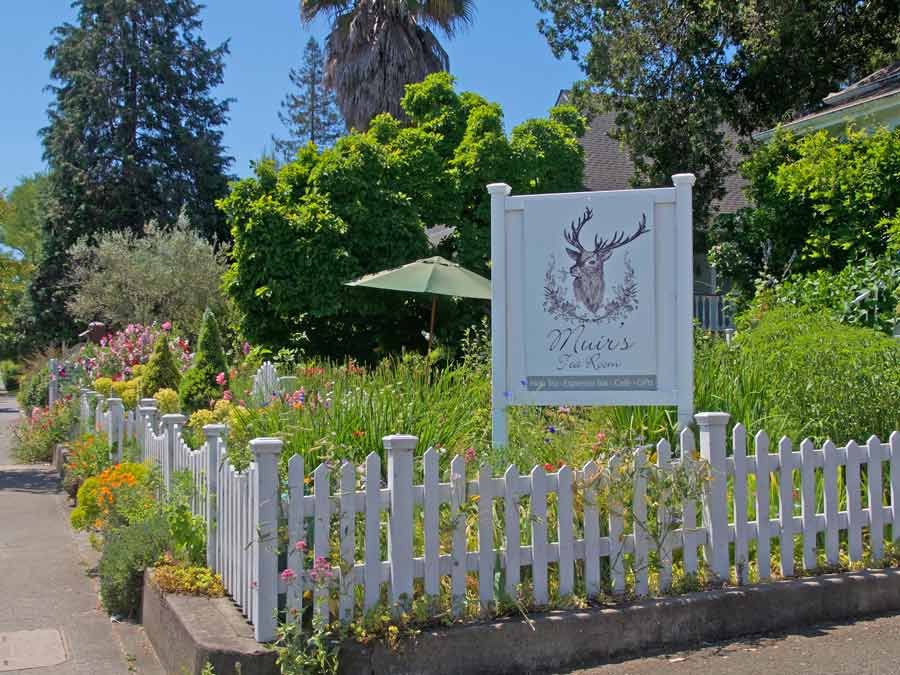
x=322, y=509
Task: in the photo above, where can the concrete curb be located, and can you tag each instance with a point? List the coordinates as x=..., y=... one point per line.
x=568, y=638
x=182, y=629
x=187, y=631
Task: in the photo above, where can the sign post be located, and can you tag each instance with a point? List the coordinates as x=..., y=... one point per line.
x=592, y=299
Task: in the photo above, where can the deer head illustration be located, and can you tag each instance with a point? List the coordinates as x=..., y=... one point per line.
x=589, y=285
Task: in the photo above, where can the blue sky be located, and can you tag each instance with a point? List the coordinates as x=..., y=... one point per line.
x=502, y=57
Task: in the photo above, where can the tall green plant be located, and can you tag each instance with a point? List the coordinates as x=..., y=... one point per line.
x=198, y=385
x=161, y=371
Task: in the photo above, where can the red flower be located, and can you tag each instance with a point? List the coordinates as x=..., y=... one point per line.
x=548, y=467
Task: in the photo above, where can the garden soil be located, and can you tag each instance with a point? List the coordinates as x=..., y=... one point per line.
x=49, y=598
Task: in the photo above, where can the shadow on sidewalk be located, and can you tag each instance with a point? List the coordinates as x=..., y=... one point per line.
x=34, y=480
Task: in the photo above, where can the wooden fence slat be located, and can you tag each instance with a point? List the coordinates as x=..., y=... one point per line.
x=616, y=539
x=539, y=534
x=874, y=488
x=854, y=508
x=832, y=505
x=485, y=538
x=459, y=547
x=664, y=519
x=511, y=530
x=373, y=530
x=297, y=543
x=763, y=491
x=431, y=521
x=565, y=532
x=639, y=510
x=321, y=544
x=808, y=503
x=689, y=519
x=894, y=447
x=742, y=534
x=348, y=540
x=591, y=531
x=786, y=507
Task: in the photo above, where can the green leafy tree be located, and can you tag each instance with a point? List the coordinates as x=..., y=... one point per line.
x=121, y=277
x=198, y=384
x=23, y=218
x=377, y=47
x=302, y=230
x=821, y=203
x=134, y=133
x=161, y=371
x=310, y=113
x=675, y=73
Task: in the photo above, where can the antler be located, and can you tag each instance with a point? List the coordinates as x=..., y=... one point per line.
x=619, y=238
x=572, y=237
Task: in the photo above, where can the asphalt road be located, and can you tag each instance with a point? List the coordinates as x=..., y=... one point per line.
x=864, y=646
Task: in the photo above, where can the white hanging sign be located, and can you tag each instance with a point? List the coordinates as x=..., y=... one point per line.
x=592, y=299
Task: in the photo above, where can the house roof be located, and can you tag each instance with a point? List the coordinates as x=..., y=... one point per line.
x=607, y=165
x=876, y=95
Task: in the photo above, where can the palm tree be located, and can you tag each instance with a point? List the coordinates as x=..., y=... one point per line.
x=377, y=47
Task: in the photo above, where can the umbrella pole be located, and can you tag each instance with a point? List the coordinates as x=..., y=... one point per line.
x=431, y=326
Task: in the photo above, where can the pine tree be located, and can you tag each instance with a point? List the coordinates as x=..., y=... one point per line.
x=198, y=386
x=134, y=134
x=310, y=114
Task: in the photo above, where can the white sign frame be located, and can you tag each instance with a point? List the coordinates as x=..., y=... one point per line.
x=672, y=382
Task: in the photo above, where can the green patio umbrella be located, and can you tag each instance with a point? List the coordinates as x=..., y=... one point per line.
x=430, y=275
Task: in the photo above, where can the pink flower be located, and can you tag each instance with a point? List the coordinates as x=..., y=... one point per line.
x=321, y=570
x=300, y=546
x=167, y=325
x=246, y=348
x=227, y=396
x=288, y=576
x=601, y=437
x=470, y=455
x=220, y=379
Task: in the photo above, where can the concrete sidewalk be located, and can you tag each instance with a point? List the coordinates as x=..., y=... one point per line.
x=45, y=583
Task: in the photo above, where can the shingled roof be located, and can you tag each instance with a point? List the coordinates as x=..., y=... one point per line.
x=607, y=165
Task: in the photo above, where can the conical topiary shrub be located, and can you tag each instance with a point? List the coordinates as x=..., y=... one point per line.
x=198, y=385
x=161, y=371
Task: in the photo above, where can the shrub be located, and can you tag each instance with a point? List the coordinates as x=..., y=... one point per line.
x=127, y=552
x=161, y=371
x=10, y=372
x=168, y=401
x=128, y=390
x=121, y=494
x=824, y=291
x=88, y=456
x=123, y=276
x=103, y=386
x=172, y=577
x=828, y=199
x=36, y=436
x=34, y=386
x=198, y=386
x=799, y=374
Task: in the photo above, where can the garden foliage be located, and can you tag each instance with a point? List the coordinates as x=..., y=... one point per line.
x=161, y=371
x=302, y=230
x=121, y=277
x=821, y=202
x=198, y=385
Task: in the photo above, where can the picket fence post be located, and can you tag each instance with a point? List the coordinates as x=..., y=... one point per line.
x=170, y=422
x=53, y=391
x=213, y=433
x=116, y=422
x=98, y=412
x=265, y=539
x=400, y=521
x=89, y=396
x=146, y=408
x=715, y=502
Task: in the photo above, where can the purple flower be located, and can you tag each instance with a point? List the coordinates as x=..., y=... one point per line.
x=551, y=429
x=470, y=455
x=246, y=348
